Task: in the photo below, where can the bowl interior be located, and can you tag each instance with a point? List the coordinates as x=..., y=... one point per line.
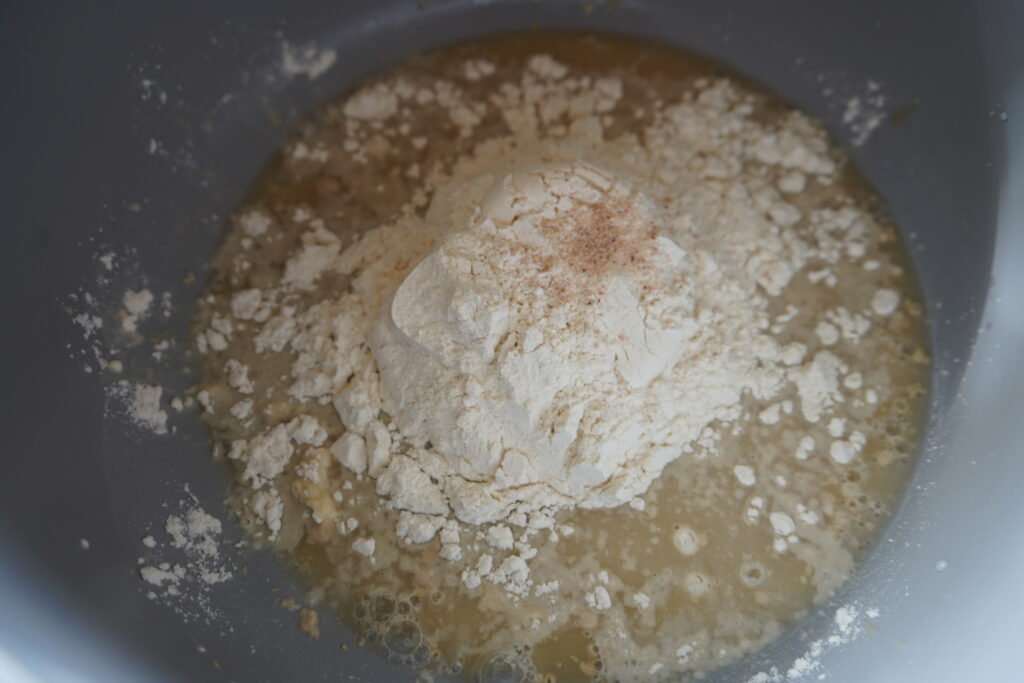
x=147, y=124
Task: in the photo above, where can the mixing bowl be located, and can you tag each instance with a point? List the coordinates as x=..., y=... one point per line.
x=135, y=127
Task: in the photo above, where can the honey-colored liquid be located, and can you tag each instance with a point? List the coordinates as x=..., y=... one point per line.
x=723, y=590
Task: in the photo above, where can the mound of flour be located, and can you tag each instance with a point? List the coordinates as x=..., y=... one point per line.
x=553, y=353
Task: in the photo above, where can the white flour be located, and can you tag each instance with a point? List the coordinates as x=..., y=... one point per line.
x=569, y=315
x=864, y=113
x=142, y=405
x=847, y=624
x=182, y=570
x=308, y=60
x=552, y=353
x=115, y=323
x=559, y=311
x=136, y=307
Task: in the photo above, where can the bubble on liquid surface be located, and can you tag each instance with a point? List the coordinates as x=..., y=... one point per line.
x=382, y=608
x=752, y=574
x=402, y=638
x=504, y=669
x=422, y=655
x=686, y=541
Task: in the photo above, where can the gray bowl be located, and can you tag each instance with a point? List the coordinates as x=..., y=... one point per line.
x=138, y=126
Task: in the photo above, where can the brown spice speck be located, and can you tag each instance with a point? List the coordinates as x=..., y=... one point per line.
x=595, y=240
